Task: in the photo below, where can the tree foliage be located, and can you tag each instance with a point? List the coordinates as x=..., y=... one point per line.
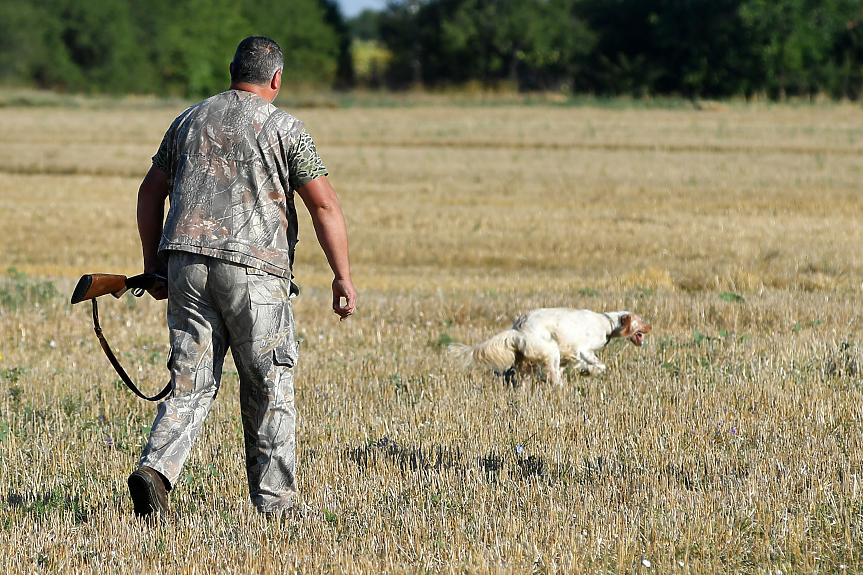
x=694, y=48
x=181, y=47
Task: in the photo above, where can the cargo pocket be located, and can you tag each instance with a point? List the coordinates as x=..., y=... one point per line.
x=270, y=300
x=287, y=351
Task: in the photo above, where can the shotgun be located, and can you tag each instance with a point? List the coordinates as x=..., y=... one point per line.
x=94, y=285
x=91, y=286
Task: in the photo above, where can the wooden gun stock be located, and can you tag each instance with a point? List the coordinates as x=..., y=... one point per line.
x=94, y=285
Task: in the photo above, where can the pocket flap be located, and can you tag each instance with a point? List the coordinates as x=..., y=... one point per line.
x=286, y=354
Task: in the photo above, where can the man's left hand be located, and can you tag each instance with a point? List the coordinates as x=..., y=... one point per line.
x=343, y=289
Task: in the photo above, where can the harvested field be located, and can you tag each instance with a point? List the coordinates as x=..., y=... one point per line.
x=730, y=442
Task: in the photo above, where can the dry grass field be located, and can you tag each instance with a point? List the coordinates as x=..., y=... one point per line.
x=731, y=442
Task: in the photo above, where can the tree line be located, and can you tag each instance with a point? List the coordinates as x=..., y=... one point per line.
x=690, y=48
x=166, y=47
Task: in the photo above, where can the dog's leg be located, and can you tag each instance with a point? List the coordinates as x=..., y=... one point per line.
x=582, y=368
x=513, y=374
x=552, y=367
x=590, y=363
x=510, y=377
x=596, y=369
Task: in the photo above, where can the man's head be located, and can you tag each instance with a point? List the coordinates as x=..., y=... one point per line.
x=258, y=62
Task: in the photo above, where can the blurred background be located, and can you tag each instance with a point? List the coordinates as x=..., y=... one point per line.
x=773, y=49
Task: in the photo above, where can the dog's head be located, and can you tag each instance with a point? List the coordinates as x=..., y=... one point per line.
x=632, y=327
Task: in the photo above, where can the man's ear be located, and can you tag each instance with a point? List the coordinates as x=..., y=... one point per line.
x=276, y=82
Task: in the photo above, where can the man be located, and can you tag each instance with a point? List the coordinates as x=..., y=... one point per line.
x=230, y=166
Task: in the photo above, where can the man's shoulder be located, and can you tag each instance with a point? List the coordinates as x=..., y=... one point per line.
x=216, y=101
x=284, y=116
x=289, y=118
x=276, y=120
x=196, y=109
x=222, y=100
x=238, y=107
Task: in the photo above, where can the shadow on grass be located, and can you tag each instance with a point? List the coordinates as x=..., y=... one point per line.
x=588, y=471
x=42, y=505
x=438, y=458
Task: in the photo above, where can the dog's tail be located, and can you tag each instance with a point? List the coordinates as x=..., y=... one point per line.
x=497, y=352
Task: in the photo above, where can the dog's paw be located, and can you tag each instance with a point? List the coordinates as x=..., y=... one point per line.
x=591, y=370
x=510, y=376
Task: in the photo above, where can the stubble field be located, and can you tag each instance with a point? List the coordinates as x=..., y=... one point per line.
x=730, y=442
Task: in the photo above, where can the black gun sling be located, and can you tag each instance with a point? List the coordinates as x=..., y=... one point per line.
x=117, y=367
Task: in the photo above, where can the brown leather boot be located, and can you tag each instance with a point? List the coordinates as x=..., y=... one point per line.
x=148, y=492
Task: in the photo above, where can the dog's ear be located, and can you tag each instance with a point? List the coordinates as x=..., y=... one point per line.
x=625, y=329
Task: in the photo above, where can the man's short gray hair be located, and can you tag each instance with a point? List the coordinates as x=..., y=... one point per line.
x=256, y=61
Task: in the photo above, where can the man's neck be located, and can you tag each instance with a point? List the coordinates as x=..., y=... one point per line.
x=264, y=92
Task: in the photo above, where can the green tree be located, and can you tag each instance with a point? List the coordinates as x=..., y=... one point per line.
x=345, y=77
x=487, y=36
x=529, y=43
x=310, y=45
x=154, y=24
x=560, y=41
x=792, y=38
x=843, y=74
x=180, y=46
x=202, y=36
x=410, y=30
x=23, y=48
x=702, y=48
x=81, y=45
x=364, y=26
x=100, y=40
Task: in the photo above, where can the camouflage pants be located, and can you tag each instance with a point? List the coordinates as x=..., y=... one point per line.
x=212, y=305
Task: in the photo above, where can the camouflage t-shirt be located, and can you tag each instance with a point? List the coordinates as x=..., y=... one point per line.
x=234, y=162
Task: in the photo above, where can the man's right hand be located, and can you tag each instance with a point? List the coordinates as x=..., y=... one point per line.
x=343, y=289
x=160, y=290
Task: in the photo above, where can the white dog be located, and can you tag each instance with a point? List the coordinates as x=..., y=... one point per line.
x=551, y=338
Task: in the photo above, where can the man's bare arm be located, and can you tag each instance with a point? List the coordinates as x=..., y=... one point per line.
x=329, y=221
x=151, y=217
